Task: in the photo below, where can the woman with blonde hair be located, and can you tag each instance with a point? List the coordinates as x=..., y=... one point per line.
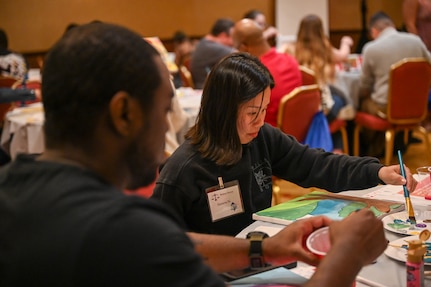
x=314, y=51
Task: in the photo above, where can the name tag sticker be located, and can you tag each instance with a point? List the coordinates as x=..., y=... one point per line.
x=224, y=200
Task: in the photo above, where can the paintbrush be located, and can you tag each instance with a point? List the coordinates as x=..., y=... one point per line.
x=409, y=205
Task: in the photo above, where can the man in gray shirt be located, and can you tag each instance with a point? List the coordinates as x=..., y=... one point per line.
x=388, y=47
x=210, y=49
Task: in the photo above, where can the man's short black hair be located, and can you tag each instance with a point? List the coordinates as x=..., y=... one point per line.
x=179, y=37
x=222, y=25
x=380, y=20
x=84, y=70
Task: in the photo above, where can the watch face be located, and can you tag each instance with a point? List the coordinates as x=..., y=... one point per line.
x=256, y=262
x=257, y=234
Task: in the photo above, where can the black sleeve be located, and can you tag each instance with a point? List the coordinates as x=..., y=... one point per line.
x=142, y=248
x=310, y=167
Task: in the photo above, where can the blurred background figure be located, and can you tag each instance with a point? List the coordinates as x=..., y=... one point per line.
x=314, y=50
x=417, y=19
x=387, y=47
x=183, y=48
x=210, y=49
x=248, y=37
x=269, y=32
x=11, y=64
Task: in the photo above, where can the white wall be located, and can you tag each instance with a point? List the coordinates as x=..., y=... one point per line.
x=288, y=14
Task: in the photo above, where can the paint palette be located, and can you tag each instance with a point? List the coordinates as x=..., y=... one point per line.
x=397, y=249
x=399, y=223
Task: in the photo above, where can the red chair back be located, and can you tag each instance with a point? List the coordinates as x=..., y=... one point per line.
x=7, y=82
x=186, y=77
x=297, y=109
x=308, y=76
x=409, y=87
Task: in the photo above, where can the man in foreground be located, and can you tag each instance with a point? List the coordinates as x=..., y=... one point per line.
x=64, y=220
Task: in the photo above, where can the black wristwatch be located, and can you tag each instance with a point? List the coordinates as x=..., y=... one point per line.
x=256, y=254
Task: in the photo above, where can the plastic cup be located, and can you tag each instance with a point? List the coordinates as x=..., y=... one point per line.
x=319, y=242
x=423, y=172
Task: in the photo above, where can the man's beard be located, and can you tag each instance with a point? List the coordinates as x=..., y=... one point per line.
x=142, y=178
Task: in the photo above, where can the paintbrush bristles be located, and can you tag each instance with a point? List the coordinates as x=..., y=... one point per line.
x=410, y=210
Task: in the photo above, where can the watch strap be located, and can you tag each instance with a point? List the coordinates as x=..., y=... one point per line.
x=256, y=253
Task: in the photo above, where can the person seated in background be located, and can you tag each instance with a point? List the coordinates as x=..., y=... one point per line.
x=269, y=32
x=183, y=48
x=417, y=19
x=248, y=37
x=231, y=145
x=66, y=207
x=11, y=64
x=210, y=49
x=313, y=50
x=387, y=47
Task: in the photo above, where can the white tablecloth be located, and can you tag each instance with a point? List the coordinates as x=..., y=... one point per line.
x=23, y=130
x=348, y=82
x=190, y=101
x=385, y=272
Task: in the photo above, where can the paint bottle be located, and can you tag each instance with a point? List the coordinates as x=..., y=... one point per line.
x=415, y=263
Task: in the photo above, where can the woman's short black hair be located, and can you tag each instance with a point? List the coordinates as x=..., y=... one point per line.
x=84, y=70
x=236, y=79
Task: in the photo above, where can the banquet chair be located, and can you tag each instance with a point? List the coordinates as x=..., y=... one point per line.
x=7, y=82
x=297, y=109
x=408, y=88
x=307, y=75
x=186, y=77
x=309, y=78
x=295, y=114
